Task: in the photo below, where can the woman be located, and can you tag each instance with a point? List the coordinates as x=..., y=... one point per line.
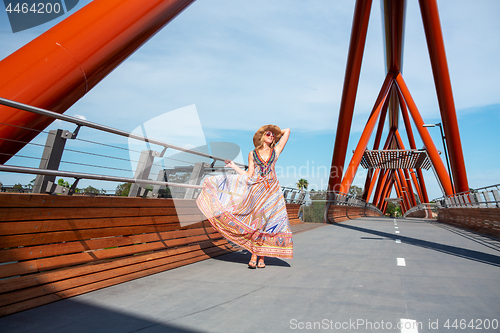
x=248, y=208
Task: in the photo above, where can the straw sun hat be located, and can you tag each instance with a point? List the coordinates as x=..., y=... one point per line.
x=264, y=129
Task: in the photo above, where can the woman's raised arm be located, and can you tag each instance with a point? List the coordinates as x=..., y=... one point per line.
x=284, y=139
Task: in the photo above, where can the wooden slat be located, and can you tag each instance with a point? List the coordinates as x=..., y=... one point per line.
x=81, y=235
x=70, y=277
x=13, y=308
x=41, y=251
x=30, y=280
x=32, y=214
x=28, y=227
x=25, y=200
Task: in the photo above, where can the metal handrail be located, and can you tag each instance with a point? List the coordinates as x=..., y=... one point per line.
x=344, y=199
x=424, y=206
x=81, y=122
x=475, y=198
x=78, y=175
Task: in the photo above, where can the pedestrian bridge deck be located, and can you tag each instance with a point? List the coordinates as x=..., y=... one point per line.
x=349, y=274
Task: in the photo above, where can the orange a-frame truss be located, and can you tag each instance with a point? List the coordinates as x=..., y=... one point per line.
x=395, y=99
x=60, y=66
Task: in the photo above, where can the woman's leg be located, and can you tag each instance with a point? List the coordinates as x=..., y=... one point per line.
x=261, y=262
x=253, y=261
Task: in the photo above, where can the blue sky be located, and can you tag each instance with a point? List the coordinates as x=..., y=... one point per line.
x=248, y=63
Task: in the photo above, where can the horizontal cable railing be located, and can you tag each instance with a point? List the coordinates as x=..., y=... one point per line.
x=317, y=203
x=181, y=178
x=425, y=206
x=81, y=122
x=483, y=197
x=99, y=157
x=339, y=198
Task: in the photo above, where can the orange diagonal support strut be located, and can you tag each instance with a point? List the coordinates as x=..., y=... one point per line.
x=365, y=136
x=426, y=138
x=59, y=67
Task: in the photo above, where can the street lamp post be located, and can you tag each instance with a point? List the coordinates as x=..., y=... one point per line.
x=445, y=151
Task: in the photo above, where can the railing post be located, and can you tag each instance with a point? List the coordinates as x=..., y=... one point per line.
x=159, y=190
x=285, y=194
x=497, y=197
x=142, y=171
x=195, y=179
x=51, y=158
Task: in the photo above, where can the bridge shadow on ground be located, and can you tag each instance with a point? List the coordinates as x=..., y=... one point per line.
x=478, y=256
x=79, y=317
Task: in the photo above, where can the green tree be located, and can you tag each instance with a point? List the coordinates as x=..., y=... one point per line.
x=314, y=211
x=393, y=209
x=302, y=184
x=356, y=191
x=31, y=184
x=91, y=190
x=63, y=183
x=123, y=190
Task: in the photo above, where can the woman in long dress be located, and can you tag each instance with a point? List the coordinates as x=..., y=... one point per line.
x=248, y=208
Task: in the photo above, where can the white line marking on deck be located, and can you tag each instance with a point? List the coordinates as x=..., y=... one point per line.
x=409, y=326
x=396, y=227
x=398, y=241
x=401, y=262
x=397, y=231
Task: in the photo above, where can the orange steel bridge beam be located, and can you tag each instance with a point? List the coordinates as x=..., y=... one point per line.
x=373, y=173
x=419, y=185
x=426, y=138
x=387, y=193
x=394, y=18
x=351, y=80
x=400, y=191
x=60, y=66
x=378, y=190
x=365, y=136
x=383, y=176
x=409, y=191
x=386, y=189
x=407, y=179
x=437, y=54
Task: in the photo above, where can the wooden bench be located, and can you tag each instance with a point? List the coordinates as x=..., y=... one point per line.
x=54, y=247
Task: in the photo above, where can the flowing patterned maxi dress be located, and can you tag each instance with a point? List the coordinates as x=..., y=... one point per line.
x=250, y=211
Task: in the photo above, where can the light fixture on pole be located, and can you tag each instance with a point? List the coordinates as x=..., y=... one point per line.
x=445, y=151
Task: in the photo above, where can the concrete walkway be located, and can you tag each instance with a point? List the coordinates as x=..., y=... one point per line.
x=365, y=275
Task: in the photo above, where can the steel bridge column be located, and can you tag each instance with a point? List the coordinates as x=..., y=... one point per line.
x=437, y=54
x=351, y=80
x=369, y=182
